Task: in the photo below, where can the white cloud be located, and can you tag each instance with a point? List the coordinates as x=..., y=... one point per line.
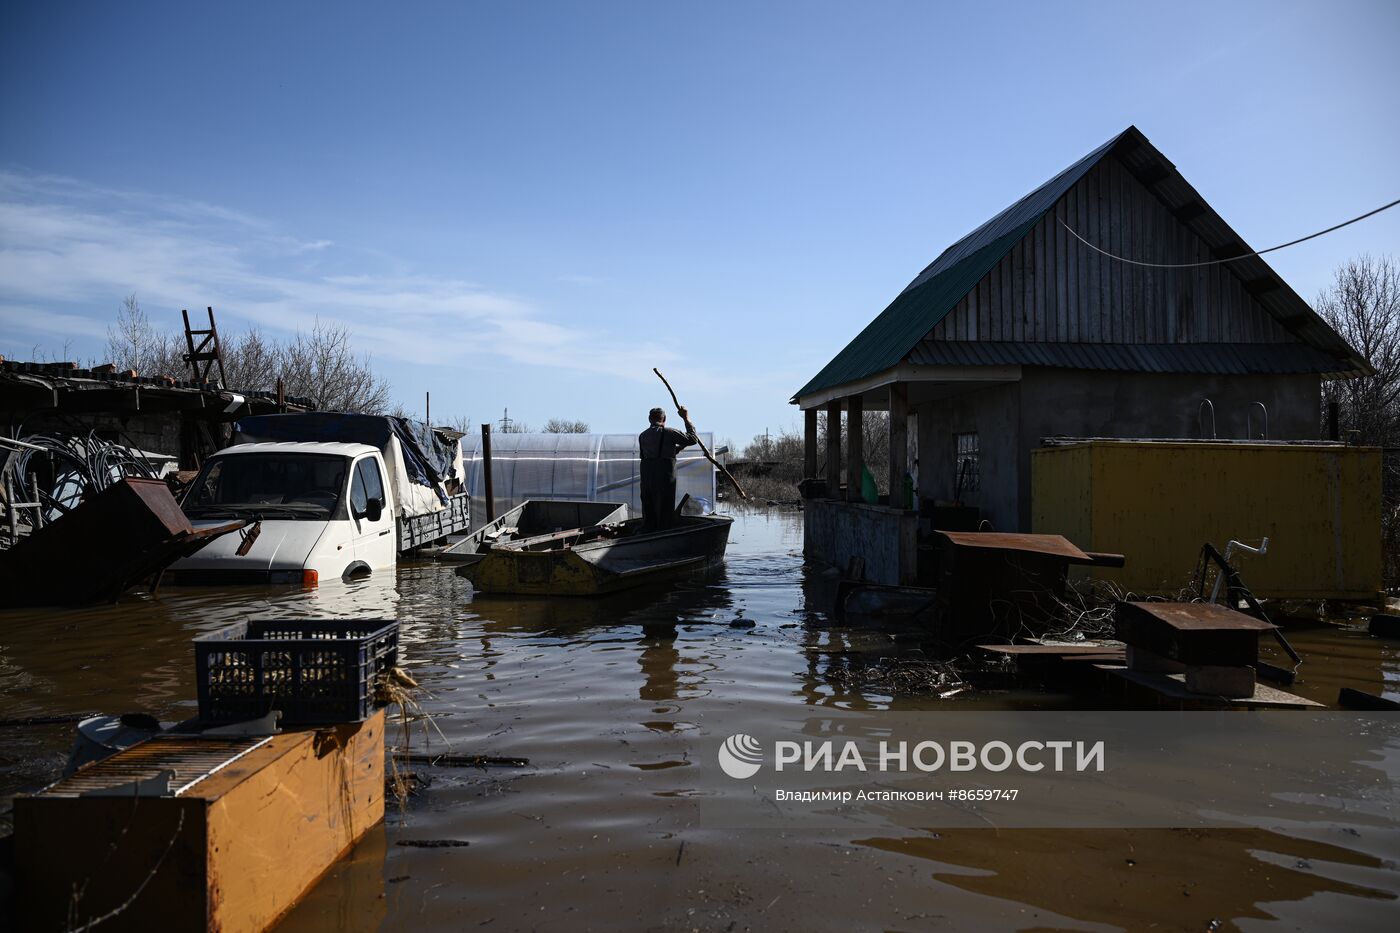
x=65, y=243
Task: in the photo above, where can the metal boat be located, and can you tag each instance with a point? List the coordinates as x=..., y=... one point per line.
x=597, y=559
x=530, y=519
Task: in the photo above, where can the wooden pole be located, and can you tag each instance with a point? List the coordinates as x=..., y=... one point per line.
x=833, y=449
x=855, y=446
x=486, y=485
x=703, y=449
x=899, y=442
x=809, y=444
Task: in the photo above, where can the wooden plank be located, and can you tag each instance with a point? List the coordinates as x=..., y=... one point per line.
x=833, y=449
x=1137, y=274
x=993, y=328
x=1038, y=305
x=1071, y=262
x=1116, y=215
x=1093, y=295
x=1025, y=291
x=275, y=833
x=899, y=442
x=855, y=446
x=1109, y=266
x=984, y=300
x=1058, y=255
x=809, y=443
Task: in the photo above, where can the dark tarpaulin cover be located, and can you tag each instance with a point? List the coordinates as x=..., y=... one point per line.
x=427, y=457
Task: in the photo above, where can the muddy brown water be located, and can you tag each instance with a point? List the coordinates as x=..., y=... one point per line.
x=615, y=703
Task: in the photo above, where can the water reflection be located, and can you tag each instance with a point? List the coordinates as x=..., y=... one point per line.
x=1187, y=879
x=614, y=702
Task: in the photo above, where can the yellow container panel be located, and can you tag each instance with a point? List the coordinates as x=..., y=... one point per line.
x=1158, y=502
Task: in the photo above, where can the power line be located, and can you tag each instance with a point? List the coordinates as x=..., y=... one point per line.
x=1216, y=262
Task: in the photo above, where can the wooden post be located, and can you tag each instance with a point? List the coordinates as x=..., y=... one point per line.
x=855, y=447
x=899, y=442
x=486, y=486
x=809, y=444
x=833, y=449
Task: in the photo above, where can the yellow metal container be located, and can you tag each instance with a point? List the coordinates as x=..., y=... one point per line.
x=1157, y=502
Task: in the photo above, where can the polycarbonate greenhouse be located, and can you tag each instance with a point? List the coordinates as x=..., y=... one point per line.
x=594, y=467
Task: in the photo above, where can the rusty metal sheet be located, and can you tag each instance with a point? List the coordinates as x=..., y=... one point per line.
x=1198, y=617
x=1049, y=545
x=119, y=537
x=1191, y=633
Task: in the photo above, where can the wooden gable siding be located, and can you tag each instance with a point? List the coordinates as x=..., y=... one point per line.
x=1052, y=288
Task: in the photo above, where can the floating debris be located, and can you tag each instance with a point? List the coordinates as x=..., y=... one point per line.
x=896, y=675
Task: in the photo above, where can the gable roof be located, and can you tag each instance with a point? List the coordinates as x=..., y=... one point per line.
x=898, y=330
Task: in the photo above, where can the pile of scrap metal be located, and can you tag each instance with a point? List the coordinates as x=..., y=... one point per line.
x=56, y=472
x=989, y=585
x=125, y=534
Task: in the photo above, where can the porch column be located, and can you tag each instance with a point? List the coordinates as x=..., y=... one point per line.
x=899, y=442
x=809, y=444
x=833, y=449
x=855, y=448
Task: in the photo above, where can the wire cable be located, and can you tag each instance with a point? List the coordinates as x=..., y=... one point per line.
x=1216, y=262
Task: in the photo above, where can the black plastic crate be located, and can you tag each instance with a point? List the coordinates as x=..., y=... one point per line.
x=314, y=671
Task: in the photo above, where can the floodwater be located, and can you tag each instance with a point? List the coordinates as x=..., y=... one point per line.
x=617, y=703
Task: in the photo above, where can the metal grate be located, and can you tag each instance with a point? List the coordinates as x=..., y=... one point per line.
x=190, y=758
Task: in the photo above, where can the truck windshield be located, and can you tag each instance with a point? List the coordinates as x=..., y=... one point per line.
x=290, y=486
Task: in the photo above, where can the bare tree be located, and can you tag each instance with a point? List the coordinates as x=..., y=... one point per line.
x=133, y=343
x=1363, y=305
x=252, y=362
x=565, y=426
x=322, y=366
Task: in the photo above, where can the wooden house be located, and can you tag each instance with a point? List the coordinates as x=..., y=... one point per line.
x=1029, y=328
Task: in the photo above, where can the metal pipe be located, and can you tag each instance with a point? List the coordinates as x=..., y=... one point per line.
x=1200, y=422
x=1230, y=548
x=487, y=487
x=1249, y=420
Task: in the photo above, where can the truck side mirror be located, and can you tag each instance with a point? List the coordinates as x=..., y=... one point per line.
x=374, y=508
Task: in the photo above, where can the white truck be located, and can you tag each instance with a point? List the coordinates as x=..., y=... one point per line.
x=316, y=510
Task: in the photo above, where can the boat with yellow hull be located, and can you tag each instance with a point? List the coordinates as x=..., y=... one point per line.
x=599, y=559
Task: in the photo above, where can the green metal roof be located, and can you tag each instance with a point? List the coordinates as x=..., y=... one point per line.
x=898, y=330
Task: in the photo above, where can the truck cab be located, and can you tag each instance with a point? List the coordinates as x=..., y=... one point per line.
x=315, y=511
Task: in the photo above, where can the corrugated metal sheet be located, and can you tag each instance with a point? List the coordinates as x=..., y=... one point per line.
x=910, y=318
x=1221, y=358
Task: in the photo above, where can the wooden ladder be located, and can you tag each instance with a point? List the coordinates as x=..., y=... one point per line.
x=206, y=353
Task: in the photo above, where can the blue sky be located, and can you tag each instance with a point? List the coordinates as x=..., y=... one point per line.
x=531, y=204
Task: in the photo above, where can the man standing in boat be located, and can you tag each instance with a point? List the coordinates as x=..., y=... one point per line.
x=660, y=445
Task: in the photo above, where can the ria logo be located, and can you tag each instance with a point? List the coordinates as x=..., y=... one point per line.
x=741, y=756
